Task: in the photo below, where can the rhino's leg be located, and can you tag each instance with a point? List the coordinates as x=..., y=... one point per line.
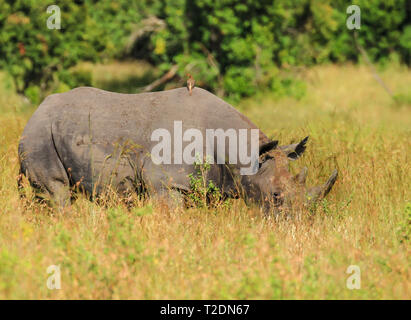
x=48, y=184
x=41, y=164
x=60, y=193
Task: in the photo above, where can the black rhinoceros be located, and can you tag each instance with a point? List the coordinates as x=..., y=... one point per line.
x=144, y=143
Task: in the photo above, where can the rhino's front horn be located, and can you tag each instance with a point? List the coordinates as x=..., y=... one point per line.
x=319, y=192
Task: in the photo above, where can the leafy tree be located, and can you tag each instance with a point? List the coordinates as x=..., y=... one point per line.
x=232, y=47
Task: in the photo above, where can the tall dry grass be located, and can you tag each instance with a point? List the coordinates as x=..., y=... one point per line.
x=150, y=252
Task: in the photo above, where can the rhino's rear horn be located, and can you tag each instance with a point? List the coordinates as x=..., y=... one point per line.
x=301, y=176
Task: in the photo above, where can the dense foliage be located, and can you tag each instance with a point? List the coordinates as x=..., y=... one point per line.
x=231, y=47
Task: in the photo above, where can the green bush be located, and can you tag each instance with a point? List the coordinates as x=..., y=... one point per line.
x=36, y=56
x=231, y=47
x=235, y=46
x=33, y=54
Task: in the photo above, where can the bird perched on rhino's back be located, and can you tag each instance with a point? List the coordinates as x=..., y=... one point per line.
x=190, y=83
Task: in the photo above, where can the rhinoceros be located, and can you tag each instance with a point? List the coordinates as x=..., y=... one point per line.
x=93, y=138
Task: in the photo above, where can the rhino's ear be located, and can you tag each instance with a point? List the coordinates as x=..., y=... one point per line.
x=268, y=147
x=294, y=151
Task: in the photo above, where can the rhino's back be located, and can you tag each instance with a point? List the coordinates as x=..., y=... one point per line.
x=154, y=108
x=109, y=117
x=88, y=125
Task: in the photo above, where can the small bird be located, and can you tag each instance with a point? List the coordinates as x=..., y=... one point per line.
x=190, y=83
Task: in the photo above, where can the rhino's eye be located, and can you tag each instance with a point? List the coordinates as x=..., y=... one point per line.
x=264, y=158
x=267, y=157
x=278, y=198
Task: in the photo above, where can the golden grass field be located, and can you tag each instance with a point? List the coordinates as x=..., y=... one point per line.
x=233, y=252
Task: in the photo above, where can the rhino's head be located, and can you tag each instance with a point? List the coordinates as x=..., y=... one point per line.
x=275, y=187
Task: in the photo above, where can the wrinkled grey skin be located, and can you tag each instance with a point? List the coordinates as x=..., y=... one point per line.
x=93, y=138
